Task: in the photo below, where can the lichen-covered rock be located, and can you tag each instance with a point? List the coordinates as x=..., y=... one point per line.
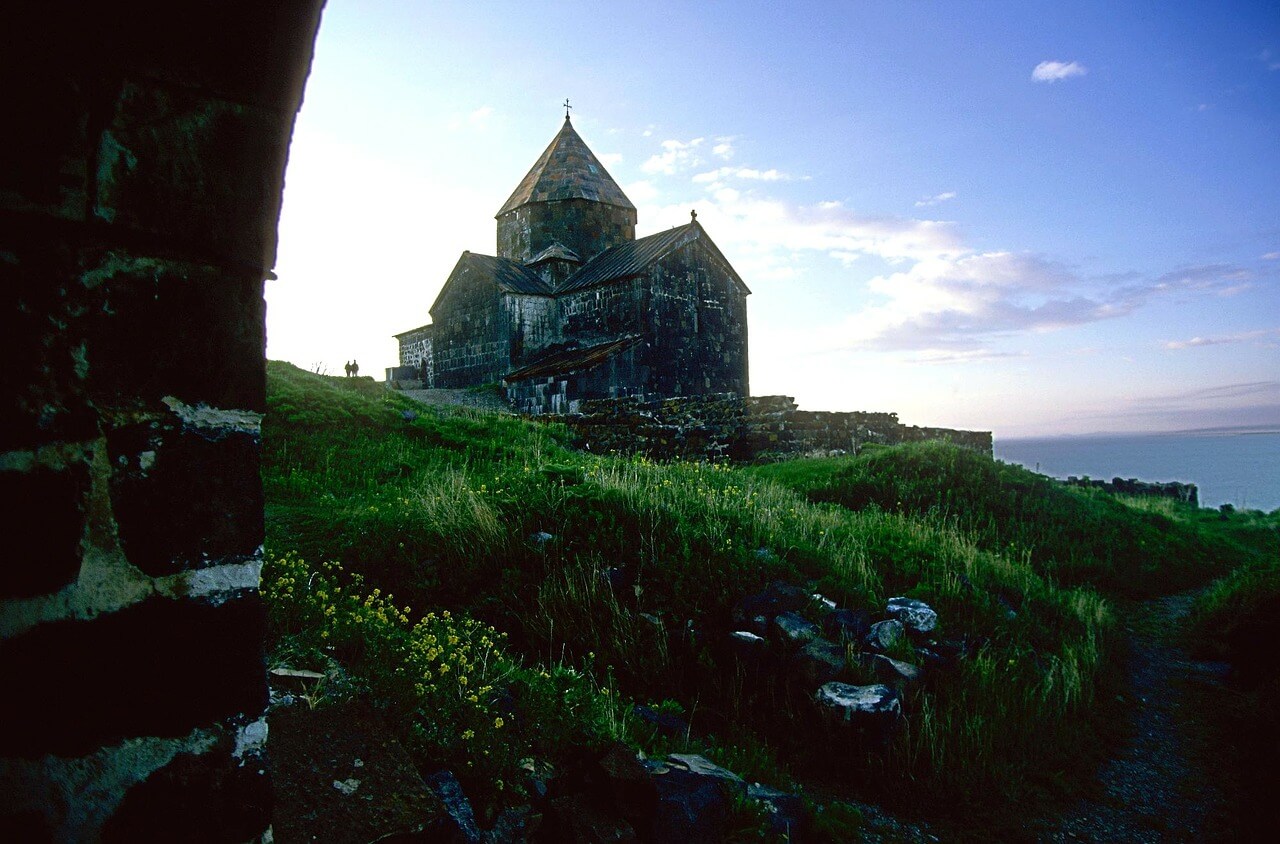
x=916, y=616
x=777, y=597
x=885, y=635
x=875, y=708
x=893, y=672
x=793, y=629
x=818, y=662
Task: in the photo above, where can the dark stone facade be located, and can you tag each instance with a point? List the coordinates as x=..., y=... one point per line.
x=139, y=193
x=575, y=308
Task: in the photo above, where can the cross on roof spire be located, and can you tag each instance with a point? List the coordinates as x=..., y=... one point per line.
x=566, y=108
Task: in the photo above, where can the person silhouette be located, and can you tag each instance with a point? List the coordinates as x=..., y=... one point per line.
x=355, y=369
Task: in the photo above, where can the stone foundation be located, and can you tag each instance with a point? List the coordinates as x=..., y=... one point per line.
x=725, y=426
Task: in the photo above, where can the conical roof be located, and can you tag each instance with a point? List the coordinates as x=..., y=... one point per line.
x=567, y=169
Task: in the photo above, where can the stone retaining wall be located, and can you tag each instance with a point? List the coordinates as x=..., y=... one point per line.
x=725, y=426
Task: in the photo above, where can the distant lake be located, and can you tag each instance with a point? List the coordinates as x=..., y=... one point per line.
x=1239, y=469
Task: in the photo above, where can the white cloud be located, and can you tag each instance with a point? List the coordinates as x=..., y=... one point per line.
x=1271, y=256
x=478, y=119
x=609, y=159
x=675, y=155
x=723, y=148
x=935, y=199
x=642, y=191
x=1269, y=59
x=749, y=173
x=1056, y=71
x=1261, y=335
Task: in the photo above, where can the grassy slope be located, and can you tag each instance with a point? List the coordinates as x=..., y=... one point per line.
x=440, y=511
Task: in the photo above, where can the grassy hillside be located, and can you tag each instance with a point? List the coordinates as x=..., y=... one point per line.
x=1071, y=534
x=613, y=580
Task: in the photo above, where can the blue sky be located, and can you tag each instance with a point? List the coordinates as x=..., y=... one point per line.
x=1031, y=218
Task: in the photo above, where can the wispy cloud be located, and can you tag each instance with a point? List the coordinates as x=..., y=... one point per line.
x=477, y=119
x=1051, y=71
x=675, y=156
x=609, y=159
x=1263, y=337
x=1268, y=58
x=748, y=173
x=723, y=148
x=1271, y=256
x=936, y=199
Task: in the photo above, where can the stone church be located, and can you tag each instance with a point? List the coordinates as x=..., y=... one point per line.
x=574, y=307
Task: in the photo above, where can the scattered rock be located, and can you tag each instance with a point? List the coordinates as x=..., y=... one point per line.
x=826, y=603
x=538, y=775
x=347, y=786
x=777, y=597
x=917, y=617
x=891, y=671
x=747, y=646
x=786, y=811
x=513, y=826
x=539, y=539
x=873, y=708
x=793, y=629
x=818, y=662
x=885, y=635
x=694, y=799
x=846, y=625
x=461, y=818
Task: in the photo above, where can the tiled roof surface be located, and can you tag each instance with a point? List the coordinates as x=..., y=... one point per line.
x=510, y=275
x=572, y=360
x=567, y=169
x=631, y=258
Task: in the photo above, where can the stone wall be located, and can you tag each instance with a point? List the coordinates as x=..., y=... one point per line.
x=139, y=194
x=619, y=376
x=725, y=426
x=584, y=226
x=1178, y=491
x=416, y=349
x=471, y=332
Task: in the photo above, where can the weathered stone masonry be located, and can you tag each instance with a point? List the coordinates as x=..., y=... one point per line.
x=139, y=194
x=725, y=426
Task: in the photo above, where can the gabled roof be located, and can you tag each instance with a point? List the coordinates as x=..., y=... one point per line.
x=634, y=257
x=567, y=169
x=567, y=361
x=509, y=276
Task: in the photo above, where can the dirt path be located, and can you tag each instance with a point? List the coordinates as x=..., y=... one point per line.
x=1160, y=785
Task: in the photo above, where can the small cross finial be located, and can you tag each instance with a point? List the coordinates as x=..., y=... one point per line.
x=566, y=108
x=693, y=216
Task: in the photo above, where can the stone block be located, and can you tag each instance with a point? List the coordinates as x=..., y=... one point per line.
x=159, y=668
x=160, y=328
x=42, y=520
x=193, y=168
x=185, y=499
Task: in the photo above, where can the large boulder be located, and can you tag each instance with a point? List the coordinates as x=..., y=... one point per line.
x=793, y=630
x=917, y=617
x=629, y=785
x=871, y=709
x=886, y=635
x=695, y=798
x=576, y=819
x=818, y=662
x=460, y=822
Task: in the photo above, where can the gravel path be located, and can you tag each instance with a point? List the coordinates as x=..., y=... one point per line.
x=1160, y=786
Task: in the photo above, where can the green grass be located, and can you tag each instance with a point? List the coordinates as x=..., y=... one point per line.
x=441, y=510
x=1076, y=536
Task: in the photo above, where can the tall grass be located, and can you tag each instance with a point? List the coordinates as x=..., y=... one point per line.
x=645, y=562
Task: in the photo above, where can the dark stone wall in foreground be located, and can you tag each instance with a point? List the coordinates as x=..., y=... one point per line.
x=145, y=147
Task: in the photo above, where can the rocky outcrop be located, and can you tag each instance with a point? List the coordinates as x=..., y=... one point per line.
x=1178, y=491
